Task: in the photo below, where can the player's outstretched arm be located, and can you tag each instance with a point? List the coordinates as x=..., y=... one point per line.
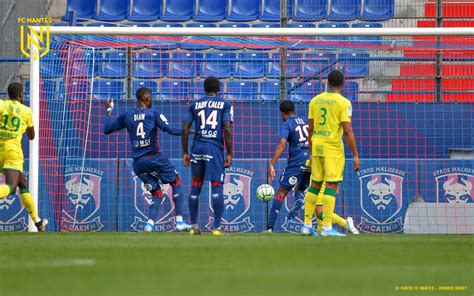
x=278, y=151
x=350, y=140
x=116, y=125
x=228, y=143
x=163, y=124
x=185, y=142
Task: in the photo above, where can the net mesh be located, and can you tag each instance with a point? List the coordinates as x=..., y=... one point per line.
x=413, y=121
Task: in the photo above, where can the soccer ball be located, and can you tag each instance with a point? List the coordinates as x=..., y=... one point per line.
x=265, y=192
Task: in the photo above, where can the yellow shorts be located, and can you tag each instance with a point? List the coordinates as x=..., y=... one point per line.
x=11, y=160
x=327, y=169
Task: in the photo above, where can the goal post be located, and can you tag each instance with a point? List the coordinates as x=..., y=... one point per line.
x=380, y=151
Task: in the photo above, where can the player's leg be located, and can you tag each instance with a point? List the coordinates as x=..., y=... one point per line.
x=311, y=197
x=29, y=204
x=215, y=173
x=276, y=207
x=304, y=178
x=197, y=173
x=12, y=178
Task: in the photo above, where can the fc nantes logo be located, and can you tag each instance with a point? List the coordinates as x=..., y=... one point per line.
x=39, y=39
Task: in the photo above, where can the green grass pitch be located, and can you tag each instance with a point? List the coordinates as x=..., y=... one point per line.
x=240, y=264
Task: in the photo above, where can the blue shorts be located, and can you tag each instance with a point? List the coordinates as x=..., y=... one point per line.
x=154, y=169
x=207, y=162
x=295, y=176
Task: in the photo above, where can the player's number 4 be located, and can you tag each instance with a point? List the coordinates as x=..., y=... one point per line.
x=140, y=130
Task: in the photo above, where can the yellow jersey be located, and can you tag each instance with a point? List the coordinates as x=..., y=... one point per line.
x=328, y=110
x=15, y=118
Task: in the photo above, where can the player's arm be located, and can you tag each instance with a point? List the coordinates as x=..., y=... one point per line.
x=310, y=130
x=30, y=132
x=227, y=119
x=112, y=126
x=162, y=122
x=187, y=122
x=284, y=133
x=346, y=117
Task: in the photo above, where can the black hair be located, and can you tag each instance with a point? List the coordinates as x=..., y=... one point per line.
x=287, y=107
x=211, y=85
x=15, y=89
x=335, y=78
x=141, y=92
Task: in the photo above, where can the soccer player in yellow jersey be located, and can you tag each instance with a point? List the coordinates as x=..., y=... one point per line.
x=16, y=118
x=329, y=117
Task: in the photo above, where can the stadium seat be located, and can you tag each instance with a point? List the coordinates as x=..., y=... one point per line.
x=115, y=55
x=178, y=10
x=210, y=10
x=293, y=67
x=103, y=89
x=83, y=68
x=175, y=90
x=270, y=11
x=234, y=25
x=47, y=87
x=344, y=10
x=197, y=89
x=219, y=64
x=113, y=70
x=150, y=84
x=77, y=90
x=168, y=25
x=244, y=10
x=301, y=25
x=196, y=43
x=145, y=10
x=310, y=10
x=334, y=38
x=152, y=56
x=270, y=90
x=51, y=68
x=354, y=64
x=85, y=9
x=318, y=64
x=112, y=10
x=377, y=10
x=101, y=24
x=351, y=90
x=229, y=41
x=367, y=39
x=150, y=70
x=241, y=90
x=306, y=91
x=251, y=65
x=185, y=65
x=265, y=25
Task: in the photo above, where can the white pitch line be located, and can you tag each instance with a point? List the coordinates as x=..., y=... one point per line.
x=49, y=263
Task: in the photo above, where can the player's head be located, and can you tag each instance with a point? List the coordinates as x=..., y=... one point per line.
x=145, y=96
x=287, y=109
x=336, y=79
x=15, y=91
x=211, y=85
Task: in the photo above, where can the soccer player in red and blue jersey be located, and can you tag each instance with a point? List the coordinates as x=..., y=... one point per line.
x=149, y=163
x=212, y=117
x=294, y=131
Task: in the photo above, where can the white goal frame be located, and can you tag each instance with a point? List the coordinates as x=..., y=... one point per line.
x=184, y=31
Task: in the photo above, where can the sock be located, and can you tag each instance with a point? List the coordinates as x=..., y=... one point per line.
x=329, y=202
x=310, y=204
x=27, y=201
x=5, y=190
x=179, y=218
x=336, y=219
x=154, y=208
x=217, y=191
x=194, y=200
x=320, y=224
x=177, y=197
x=275, y=210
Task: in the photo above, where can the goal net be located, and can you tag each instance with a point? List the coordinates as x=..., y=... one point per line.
x=413, y=119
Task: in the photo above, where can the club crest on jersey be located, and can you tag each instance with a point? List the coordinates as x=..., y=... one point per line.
x=12, y=216
x=454, y=185
x=381, y=190
x=237, y=198
x=142, y=199
x=83, y=197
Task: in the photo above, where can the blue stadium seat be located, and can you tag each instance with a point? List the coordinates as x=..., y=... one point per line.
x=229, y=39
x=178, y=90
x=351, y=90
x=241, y=90
x=318, y=64
x=48, y=88
x=344, y=10
x=145, y=10
x=334, y=25
x=77, y=89
x=150, y=70
x=152, y=56
x=270, y=90
x=83, y=68
x=234, y=25
x=377, y=10
x=251, y=65
x=150, y=84
x=196, y=44
x=178, y=10
x=293, y=67
x=101, y=24
x=210, y=10
x=244, y=10
x=113, y=70
x=85, y=9
x=219, y=64
x=310, y=10
x=185, y=65
x=103, y=89
x=301, y=25
x=265, y=25
x=112, y=10
x=306, y=91
x=168, y=25
x=164, y=44
x=115, y=55
x=367, y=39
x=141, y=25
x=270, y=11
x=51, y=68
x=197, y=89
x=354, y=64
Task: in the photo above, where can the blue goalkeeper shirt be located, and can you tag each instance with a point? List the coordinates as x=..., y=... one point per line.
x=141, y=125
